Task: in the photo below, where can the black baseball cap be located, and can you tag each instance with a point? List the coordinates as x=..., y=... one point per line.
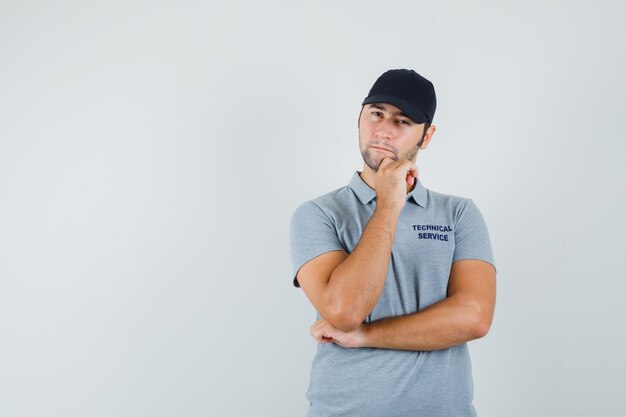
x=408, y=91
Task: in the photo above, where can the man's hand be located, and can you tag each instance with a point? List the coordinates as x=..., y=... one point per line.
x=393, y=181
x=324, y=332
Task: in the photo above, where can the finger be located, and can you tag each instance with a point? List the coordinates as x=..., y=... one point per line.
x=385, y=161
x=412, y=169
x=318, y=323
x=317, y=335
x=322, y=335
x=408, y=165
x=314, y=330
x=320, y=329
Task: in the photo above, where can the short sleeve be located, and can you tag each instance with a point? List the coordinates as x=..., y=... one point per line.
x=471, y=237
x=311, y=233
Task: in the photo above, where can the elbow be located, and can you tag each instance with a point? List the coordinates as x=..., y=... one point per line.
x=480, y=326
x=344, y=318
x=480, y=330
x=343, y=311
x=478, y=318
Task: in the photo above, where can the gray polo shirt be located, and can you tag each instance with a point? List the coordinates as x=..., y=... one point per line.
x=434, y=230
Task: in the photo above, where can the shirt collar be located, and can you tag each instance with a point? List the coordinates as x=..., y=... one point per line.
x=366, y=194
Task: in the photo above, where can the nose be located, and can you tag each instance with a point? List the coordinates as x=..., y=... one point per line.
x=385, y=129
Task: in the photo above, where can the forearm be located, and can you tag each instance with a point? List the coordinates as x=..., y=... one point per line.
x=442, y=325
x=355, y=285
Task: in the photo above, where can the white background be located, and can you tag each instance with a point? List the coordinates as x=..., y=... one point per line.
x=151, y=155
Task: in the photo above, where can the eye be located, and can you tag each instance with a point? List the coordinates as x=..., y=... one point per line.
x=376, y=113
x=404, y=122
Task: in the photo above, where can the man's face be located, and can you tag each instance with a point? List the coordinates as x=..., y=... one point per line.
x=384, y=131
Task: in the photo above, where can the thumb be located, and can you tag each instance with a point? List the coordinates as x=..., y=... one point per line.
x=385, y=161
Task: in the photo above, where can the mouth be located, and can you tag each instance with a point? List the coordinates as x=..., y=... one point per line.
x=378, y=148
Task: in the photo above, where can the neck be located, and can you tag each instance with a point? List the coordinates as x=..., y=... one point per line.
x=368, y=176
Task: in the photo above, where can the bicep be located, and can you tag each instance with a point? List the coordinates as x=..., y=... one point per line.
x=314, y=276
x=474, y=282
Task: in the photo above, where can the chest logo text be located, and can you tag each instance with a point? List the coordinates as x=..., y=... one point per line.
x=429, y=231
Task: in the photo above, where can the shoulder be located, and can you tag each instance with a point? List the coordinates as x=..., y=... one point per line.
x=451, y=201
x=328, y=204
x=459, y=209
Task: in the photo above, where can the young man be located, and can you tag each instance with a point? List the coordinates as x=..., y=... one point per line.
x=401, y=276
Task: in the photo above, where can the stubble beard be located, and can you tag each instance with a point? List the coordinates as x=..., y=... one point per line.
x=374, y=163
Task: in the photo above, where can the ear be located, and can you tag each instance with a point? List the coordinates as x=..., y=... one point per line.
x=429, y=135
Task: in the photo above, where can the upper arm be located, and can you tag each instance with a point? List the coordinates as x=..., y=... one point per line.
x=473, y=275
x=316, y=250
x=471, y=237
x=473, y=282
x=314, y=276
x=312, y=233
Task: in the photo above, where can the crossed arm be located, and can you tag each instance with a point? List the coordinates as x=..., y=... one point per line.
x=466, y=314
x=345, y=288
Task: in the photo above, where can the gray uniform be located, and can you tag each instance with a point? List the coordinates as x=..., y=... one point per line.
x=433, y=231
